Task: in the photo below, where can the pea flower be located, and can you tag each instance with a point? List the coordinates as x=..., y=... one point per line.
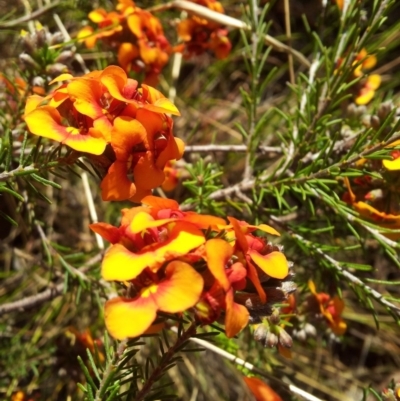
x=364, y=90
x=330, y=308
x=377, y=202
x=199, y=34
x=106, y=114
x=174, y=261
x=135, y=34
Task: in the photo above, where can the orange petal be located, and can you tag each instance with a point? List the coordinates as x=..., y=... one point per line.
x=253, y=277
x=107, y=231
x=127, y=53
x=160, y=203
x=116, y=185
x=274, y=264
x=181, y=289
x=87, y=94
x=127, y=133
x=129, y=318
x=237, y=316
x=260, y=390
x=218, y=253
x=204, y=221
x=351, y=193
x=240, y=237
x=147, y=174
x=158, y=102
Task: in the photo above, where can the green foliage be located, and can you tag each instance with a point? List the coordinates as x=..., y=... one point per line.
x=303, y=136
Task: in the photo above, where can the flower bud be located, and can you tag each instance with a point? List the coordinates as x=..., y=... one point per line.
x=384, y=110
x=284, y=338
x=274, y=318
x=56, y=69
x=301, y=335
x=375, y=122
x=38, y=81
x=65, y=56
x=41, y=37
x=271, y=340
x=310, y=330
x=28, y=61
x=56, y=38
x=260, y=333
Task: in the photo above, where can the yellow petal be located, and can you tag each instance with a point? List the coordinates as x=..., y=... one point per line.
x=218, y=253
x=237, y=316
x=392, y=164
x=274, y=264
x=129, y=318
x=181, y=289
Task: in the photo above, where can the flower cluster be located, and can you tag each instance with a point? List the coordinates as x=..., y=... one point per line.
x=365, y=88
x=136, y=34
x=330, y=308
x=171, y=261
x=377, y=199
x=105, y=113
x=199, y=34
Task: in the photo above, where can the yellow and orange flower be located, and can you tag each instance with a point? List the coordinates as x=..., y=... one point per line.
x=377, y=204
x=170, y=261
x=365, y=89
x=199, y=34
x=136, y=34
x=106, y=109
x=330, y=308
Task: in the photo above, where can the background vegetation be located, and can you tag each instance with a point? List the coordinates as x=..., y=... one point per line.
x=271, y=134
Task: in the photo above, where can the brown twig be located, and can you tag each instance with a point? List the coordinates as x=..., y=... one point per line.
x=29, y=17
x=47, y=295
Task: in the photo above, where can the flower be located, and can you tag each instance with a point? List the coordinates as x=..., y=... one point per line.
x=131, y=317
x=136, y=34
x=364, y=89
x=330, y=308
x=106, y=113
x=377, y=204
x=169, y=260
x=199, y=34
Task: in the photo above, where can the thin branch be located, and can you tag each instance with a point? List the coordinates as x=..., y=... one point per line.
x=165, y=361
x=30, y=16
x=229, y=148
x=47, y=295
x=110, y=370
x=353, y=279
x=240, y=362
x=6, y=175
